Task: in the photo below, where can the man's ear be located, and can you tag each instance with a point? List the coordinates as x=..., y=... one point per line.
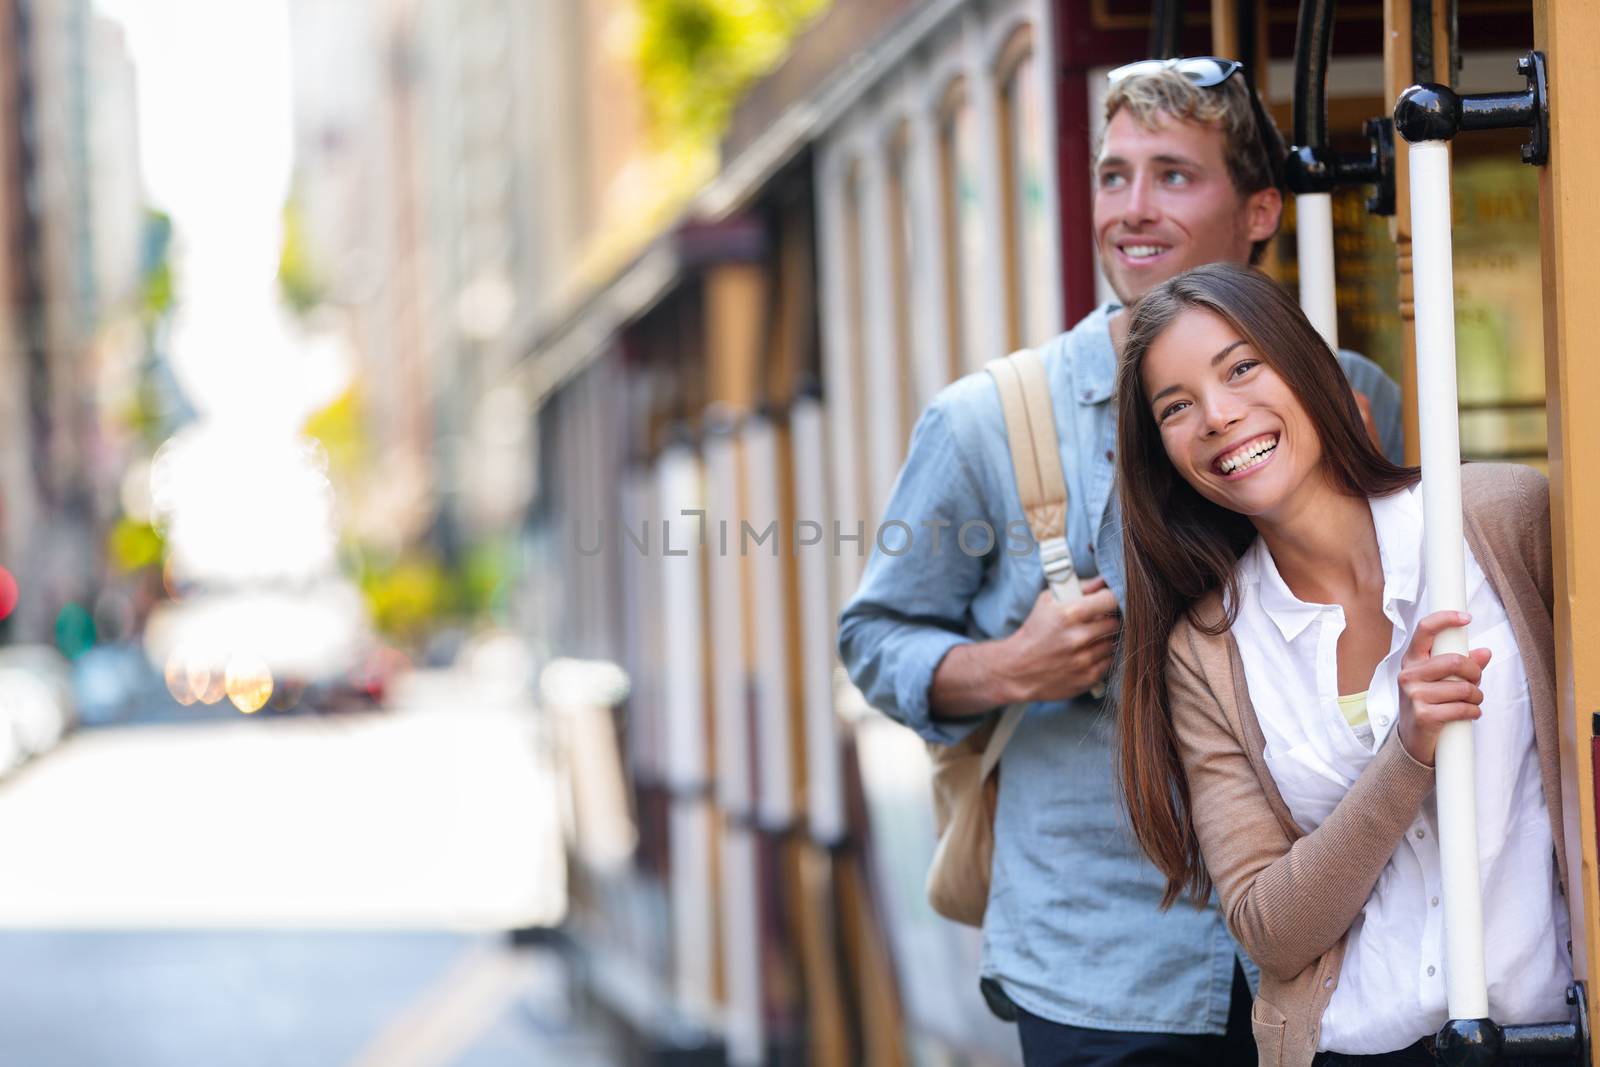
x=1263, y=211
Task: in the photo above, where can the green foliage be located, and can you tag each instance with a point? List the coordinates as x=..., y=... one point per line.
x=696, y=56
x=338, y=426
x=405, y=595
x=133, y=544
x=157, y=288
x=487, y=575
x=411, y=592
x=298, y=281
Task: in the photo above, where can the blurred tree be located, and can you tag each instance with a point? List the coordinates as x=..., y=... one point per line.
x=339, y=428
x=156, y=282
x=298, y=281
x=696, y=56
x=133, y=544
x=405, y=595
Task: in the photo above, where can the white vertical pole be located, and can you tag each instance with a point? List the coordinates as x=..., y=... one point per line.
x=1313, y=227
x=741, y=947
x=1465, y=984
x=678, y=490
x=685, y=766
x=738, y=916
x=824, y=775
x=775, y=785
x=728, y=686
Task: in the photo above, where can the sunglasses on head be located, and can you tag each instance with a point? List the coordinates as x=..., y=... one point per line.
x=1208, y=72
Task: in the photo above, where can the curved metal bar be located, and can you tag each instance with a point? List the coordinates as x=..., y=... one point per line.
x=1312, y=165
x=1313, y=44
x=1166, y=29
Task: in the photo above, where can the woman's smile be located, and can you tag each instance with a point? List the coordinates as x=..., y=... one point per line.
x=1247, y=458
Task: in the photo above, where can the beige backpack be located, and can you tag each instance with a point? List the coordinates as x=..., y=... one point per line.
x=965, y=775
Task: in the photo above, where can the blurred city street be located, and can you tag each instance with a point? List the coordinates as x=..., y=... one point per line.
x=292, y=890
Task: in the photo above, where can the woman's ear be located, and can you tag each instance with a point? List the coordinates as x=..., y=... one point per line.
x=1263, y=211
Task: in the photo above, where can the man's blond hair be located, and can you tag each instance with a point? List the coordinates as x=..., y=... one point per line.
x=1152, y=98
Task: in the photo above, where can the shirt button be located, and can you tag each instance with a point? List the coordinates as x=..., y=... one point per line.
x=1421, y=833
x=1327, y=983
x=1430, y=970
x=1434, y=903
x=1110, y=455
x=1382, y=721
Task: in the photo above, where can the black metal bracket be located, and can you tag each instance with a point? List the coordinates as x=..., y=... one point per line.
x=1482, y=1043
x=1311, y=169
x=1437, y=112
x=1312, y=166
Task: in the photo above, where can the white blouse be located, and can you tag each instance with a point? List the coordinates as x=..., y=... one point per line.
x=1391, y=989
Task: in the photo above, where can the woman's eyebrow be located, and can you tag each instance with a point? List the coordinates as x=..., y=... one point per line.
x=1218, y=358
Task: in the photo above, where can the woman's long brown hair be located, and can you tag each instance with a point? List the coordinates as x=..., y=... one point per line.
x=1178, y=546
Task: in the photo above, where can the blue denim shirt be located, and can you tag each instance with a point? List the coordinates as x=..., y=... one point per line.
x=1073, y=932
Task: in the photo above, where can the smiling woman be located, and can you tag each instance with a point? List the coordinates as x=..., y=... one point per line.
x=1281, y=698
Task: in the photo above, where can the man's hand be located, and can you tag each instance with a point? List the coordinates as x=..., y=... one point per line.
x=1060, y=651
x=1063, y=650
x=1365, y=407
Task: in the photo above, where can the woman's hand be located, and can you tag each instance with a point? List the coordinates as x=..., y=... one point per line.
x=1435, y=690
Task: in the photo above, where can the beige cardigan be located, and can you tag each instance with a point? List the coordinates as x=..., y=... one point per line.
x=1288, y=897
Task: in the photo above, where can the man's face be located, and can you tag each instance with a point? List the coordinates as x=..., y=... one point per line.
x=1164, y=202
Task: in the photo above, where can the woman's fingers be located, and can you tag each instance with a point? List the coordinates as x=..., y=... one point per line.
x=1438, y=715
x=1449, y=665
x=1431, y=627
x=1429, y=694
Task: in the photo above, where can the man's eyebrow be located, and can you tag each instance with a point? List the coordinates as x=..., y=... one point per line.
x=1218, y=358
x=1165, y=157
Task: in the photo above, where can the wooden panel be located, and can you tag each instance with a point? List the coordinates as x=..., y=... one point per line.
x=1569, y=217
x=735, y=295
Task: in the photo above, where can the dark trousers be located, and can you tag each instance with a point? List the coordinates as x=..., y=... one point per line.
x=1418, y=1055
x=1048, y=1044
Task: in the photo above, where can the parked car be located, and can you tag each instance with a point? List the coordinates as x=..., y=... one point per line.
x=36, y=702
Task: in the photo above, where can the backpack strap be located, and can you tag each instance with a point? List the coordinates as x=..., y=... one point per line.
x=1042, y=488
x=1036, y=460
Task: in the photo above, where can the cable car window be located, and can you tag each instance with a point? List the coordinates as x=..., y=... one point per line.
x=1499, y=301
x=1499, y=306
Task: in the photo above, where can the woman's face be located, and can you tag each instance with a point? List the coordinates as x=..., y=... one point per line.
x=1232, y=427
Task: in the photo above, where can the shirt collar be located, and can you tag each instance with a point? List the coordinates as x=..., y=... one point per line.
x=1397, y=519
x=1094, y=362
x=1288, y=613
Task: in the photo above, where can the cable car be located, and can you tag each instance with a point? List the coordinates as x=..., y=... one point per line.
x=906, y=197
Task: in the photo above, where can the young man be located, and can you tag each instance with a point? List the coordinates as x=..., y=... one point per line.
x=938, y=637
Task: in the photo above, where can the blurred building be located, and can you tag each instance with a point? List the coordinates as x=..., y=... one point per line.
x=417, y=178
x=72, y=210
